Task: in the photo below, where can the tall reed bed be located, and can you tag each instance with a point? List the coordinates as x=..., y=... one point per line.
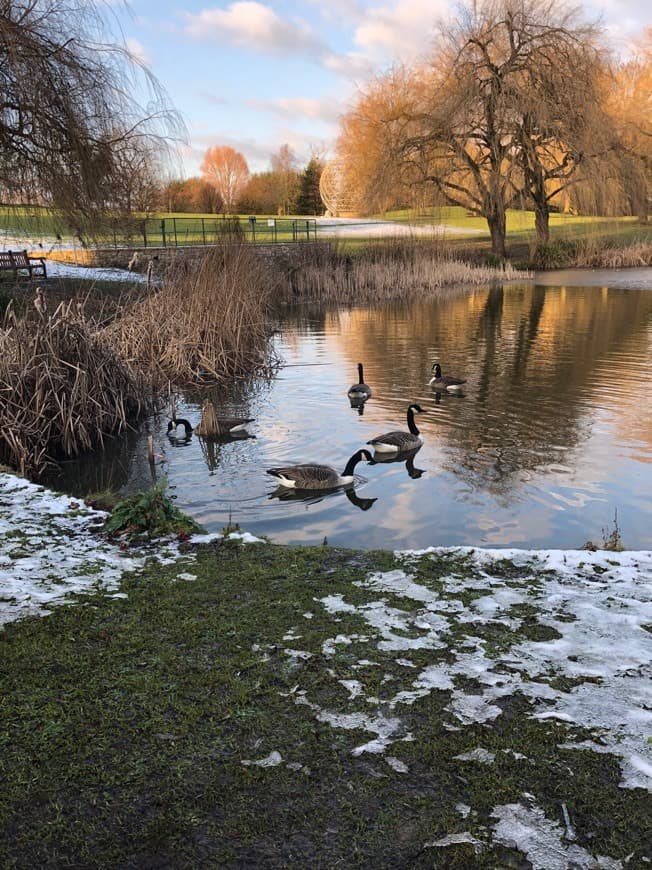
x=63, y=389
x=397, y=269
x=591, y=253
x=208, y=321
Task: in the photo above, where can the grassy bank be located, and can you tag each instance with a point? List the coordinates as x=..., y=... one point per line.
x=261, y=706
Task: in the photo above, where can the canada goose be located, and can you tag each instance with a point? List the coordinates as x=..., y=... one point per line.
x=311, y=475
x=445, y=382
x=398, y=441
x=225, y=425
x=359, y=390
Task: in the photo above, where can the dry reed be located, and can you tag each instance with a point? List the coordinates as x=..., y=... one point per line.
x=390, y=271
x=63, y=389
x=593, y=254
x=207, y=323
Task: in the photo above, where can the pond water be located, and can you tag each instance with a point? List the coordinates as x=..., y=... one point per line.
x=551, y=437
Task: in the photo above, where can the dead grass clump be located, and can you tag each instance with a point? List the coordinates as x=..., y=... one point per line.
x=206, y=323
x=591, y=253
x=389, y=271
x=63, y=389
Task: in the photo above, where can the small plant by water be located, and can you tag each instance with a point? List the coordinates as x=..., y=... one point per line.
x=150, y=514
x=611, y=538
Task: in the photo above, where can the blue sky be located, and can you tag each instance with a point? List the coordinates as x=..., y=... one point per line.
x=256, y=74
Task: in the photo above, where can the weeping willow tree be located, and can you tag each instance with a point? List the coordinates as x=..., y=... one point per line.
x=73, y=102
x=506, y=112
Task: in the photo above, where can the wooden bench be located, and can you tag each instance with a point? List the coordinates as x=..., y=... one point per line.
x=19, y=262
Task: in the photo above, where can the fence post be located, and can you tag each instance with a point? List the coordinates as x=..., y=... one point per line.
x=163, y=242
x=203, y=231
x=145, y=233
x=174, y=227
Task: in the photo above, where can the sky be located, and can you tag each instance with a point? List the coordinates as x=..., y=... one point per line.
x=257, y=74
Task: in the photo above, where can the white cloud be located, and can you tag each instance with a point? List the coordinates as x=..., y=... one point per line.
x=624, y=20
x=326, y=110
x=252, y=25
x=401, y=31
x=137, y=50
x=342, y=11
x=351, y=66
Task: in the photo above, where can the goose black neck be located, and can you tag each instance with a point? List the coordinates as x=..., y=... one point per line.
x=179, y=421
x=360, y=374
x=437, y=370
x=353, y=461
x=412, y=426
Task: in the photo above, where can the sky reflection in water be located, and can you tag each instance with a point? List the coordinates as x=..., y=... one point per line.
x=551, y=436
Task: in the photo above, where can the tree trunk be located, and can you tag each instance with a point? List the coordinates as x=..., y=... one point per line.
x=498, y=229
x=542, y=222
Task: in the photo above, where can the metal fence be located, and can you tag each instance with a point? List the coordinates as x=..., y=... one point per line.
x=173, y=232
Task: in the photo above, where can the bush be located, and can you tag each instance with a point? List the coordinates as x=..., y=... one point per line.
x=207, y=323
x=554, y=255
x=150, y=513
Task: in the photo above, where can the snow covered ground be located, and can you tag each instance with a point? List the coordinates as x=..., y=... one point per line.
x=597, y=607
x=50, y=550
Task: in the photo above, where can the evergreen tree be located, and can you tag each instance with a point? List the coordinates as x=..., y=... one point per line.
x=309, y=199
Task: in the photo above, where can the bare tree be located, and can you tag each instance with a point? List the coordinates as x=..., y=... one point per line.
x=514, y=98
x=286, y=175
x=67, y=106
x=630, y=107
x=227, y=171
x=375, y=174
x=140, y=176
x=505, y=113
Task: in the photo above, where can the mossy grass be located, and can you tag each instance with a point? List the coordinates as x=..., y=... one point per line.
x=131, y=727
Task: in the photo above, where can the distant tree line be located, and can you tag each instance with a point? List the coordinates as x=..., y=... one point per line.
x=226, y=186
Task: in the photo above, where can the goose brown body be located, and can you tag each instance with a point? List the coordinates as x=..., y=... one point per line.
x=359, y=390
x=313, y=475
x=399, y=440
x=445, y=382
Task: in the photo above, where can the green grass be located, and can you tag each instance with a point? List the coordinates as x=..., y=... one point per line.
x=170, y=229
x=125, y=725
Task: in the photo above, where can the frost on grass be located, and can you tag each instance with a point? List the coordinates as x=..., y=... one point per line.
x=567, y=631
x=540, y=839
x=272, y=760
x=51, y=549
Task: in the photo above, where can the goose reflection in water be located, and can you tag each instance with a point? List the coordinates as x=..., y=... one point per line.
x=406, y=456
x=212, y=447
x=358, y=404
x=310, y=497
